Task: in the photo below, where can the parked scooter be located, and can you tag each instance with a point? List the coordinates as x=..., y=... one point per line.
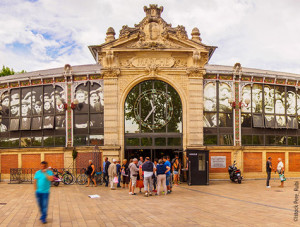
x=235, y=174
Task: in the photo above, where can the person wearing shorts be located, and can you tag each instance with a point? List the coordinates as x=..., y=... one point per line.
x=176, y=169
x=134, y=171
x=125, y=173
x=168, y=174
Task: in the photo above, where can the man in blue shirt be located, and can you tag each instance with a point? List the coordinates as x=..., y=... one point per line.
x=42, y=183
x=119, y=174
x=104, y=172
x=168, y=174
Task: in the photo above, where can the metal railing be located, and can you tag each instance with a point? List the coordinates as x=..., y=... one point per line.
x=26, y=175
x=22, y=175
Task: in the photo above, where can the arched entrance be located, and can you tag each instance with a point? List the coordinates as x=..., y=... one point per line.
x=153, y=121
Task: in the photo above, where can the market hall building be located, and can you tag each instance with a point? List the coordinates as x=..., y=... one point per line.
x=151, y=92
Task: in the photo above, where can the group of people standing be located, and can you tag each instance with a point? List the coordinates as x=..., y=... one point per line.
x=279, y=170
x=152, y=176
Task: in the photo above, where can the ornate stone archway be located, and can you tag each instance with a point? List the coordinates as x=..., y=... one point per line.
x=153, y=49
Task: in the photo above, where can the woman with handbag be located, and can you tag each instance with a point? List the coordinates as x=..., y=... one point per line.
x=280, y=170
x=125, y=173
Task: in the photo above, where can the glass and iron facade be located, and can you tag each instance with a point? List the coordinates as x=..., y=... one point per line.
x=261, y=112
x=52, y=112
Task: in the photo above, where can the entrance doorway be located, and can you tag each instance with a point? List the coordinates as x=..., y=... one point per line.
x=152, y=153
x=153, y=121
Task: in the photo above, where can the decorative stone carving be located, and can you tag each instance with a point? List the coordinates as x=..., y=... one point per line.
x=111, y=72
x=180, y=62
x=109, y=58
x=110, y=34
x=237, y=69
x=159, y=61
x=153, y=31
x=199, y=58
x=152, y=69
x=68, y=69
x=196, y=35
x=196, y=58
x=195, y=72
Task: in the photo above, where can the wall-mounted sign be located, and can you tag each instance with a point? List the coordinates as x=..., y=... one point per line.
x=218, y=161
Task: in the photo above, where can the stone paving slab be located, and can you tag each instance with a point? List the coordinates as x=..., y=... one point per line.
x=219, y=204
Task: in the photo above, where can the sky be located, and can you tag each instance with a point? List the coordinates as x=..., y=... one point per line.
x=44, y=34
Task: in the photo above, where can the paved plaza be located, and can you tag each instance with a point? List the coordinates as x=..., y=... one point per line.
x=220, y=204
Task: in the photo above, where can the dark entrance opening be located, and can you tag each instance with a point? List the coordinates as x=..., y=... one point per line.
x=152, y=153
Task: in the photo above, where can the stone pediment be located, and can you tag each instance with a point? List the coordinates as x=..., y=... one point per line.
x=152, y=33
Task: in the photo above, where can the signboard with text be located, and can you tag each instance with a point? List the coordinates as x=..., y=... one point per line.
x=218, y=161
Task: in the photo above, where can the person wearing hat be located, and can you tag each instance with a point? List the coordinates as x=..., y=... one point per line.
x=15, y=97
x=5, y=104
x=25, y=108
x=15, y=108
x=37, y=108
x=95, y=101
x=112, y=173
x=269, y=170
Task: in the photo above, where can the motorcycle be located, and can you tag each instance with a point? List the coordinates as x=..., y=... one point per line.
x=235, y=174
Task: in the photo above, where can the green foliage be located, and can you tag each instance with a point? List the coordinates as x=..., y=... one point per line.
x=6, y=71
x=74, y=153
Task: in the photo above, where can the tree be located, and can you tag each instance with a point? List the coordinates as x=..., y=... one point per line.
x=6, y=71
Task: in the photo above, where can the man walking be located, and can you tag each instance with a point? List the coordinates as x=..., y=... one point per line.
x=148, y=168
x=112, y=173
x=42, y=183
x=168, y=174
x=107, y=164
x=134, y=171
x=269, y=169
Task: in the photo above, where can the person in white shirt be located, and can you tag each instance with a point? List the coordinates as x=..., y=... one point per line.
x=280, y=170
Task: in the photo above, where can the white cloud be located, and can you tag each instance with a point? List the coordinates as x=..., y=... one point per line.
x=51, y=33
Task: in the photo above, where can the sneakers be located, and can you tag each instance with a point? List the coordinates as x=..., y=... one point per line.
x=146, y=194
x=130, y=193
x=268, y=186
x=154, y=190
x=150, y=194
x=133, y=194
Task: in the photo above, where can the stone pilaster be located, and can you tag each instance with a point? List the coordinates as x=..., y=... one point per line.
x=195, y=108
x=111, y=110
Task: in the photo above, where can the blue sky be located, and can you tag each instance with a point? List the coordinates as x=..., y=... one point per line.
x=42, y=34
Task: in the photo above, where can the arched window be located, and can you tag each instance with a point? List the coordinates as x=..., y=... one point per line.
x=153, y=116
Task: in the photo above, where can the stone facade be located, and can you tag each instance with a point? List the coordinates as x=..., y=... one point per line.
x=154, y=50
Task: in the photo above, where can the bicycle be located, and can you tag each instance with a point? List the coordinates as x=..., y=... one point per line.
x=65, y=176
x=82, y=177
